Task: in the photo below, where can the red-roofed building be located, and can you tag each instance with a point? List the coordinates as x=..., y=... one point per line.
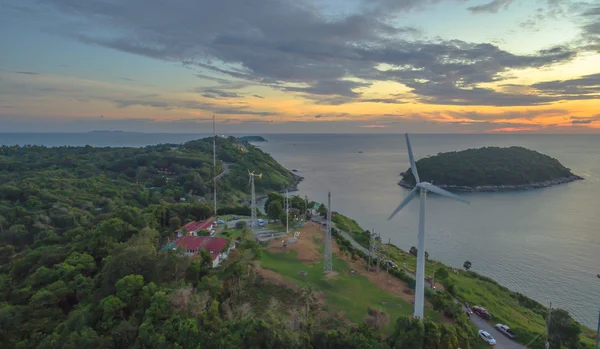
x=192, y=228
x=215, y=246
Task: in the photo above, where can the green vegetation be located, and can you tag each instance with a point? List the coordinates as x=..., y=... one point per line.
x=252, y=139
x=525, y=316
x=490, y=166
x=82, y=265
x=351, y=294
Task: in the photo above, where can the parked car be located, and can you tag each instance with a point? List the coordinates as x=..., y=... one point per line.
x=392, y=264
x=481, y=312
x=487, y=337
x=235, y=218
x=506, y=331
x=220, y=222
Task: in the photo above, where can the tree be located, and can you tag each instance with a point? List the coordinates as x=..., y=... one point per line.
x=441, y=274
x=408, y=333
x=322, y=210
x=274, y=210
x=564, y=331
x=432, y=335
x=448, y=339
x=377, y=319
x=467, y=265
x=309, y=297
x=174, y=223
x=241, y=224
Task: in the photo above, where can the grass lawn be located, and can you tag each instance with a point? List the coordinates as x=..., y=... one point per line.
x=352, y=294
x=506, y=306
x=231, y=233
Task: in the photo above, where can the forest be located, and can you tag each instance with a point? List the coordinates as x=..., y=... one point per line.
x=489, y=166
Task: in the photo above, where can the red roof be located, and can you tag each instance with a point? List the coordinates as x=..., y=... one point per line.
x=213, y=245
x=192, y=227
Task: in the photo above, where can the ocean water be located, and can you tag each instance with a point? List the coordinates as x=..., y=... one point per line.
x=543, y=243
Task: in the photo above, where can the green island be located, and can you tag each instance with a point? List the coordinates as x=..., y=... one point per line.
x=252, y=139
x=490, y=169
x=87, y=261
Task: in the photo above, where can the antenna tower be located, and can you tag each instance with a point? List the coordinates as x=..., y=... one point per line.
x=253, y=219
x=328, y=260
x=214, y=166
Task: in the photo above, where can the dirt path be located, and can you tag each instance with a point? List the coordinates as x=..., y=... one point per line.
x=306, y=246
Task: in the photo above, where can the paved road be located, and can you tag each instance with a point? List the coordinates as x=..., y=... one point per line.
x=502, y=342
x=225, y=170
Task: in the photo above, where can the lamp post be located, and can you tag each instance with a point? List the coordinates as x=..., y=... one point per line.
x=598, y=329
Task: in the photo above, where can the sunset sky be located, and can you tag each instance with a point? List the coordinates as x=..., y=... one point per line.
x=424, y=66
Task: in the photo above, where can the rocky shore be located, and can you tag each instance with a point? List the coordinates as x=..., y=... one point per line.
x=501, y=187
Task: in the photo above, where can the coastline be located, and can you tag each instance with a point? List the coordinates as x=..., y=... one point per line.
x=492, y=188
x=293, y=187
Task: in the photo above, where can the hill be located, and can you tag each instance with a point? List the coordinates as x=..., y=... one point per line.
x=252, y=139
x=489, y=169
x=91, y=177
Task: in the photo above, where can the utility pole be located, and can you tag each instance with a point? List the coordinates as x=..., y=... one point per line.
x=287, y=212
x=548, y=327
x=328, y=258
x=370, y=248
x=214, y=166
x=598, y=331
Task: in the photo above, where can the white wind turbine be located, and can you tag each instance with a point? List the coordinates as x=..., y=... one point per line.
x=423, y=187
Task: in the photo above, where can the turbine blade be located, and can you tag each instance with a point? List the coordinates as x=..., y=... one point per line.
x=405, y=202
x=413, y=165
x=432, y=188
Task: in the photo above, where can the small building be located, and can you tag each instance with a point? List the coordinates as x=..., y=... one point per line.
x=192, y=228
x=215, y=246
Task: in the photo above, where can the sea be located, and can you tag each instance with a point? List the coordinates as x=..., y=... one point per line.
x=544, y=243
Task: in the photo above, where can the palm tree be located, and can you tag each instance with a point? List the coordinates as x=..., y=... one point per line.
x=377, y=319
x=309, y=296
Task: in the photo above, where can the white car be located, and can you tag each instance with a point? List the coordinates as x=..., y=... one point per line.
x=506, y=330
x=487, y=337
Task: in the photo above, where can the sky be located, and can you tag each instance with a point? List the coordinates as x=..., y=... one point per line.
x=305, y=66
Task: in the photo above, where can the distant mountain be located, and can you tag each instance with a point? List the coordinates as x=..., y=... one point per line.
x=109, y=131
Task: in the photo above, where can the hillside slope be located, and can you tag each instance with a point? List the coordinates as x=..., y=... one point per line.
x=88, y=177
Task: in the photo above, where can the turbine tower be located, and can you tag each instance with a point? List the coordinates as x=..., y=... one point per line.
x=328, y=259
x=214, y=166
x=423, y=188
x=253, y=223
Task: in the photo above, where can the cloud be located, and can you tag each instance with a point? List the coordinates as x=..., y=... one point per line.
x=491, y=7
x=585, y=87
x=27, y=72
x=294, y=46
x=257, y=96
x=126, y=79
x=582, y=120
x=170, y=104
x=372, y=126
x=218, y=94
x=591, y=27
x=522, y=115
x=382, y=100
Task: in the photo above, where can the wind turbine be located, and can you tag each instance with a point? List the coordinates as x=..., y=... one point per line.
x=253, y=203
x=423, y=188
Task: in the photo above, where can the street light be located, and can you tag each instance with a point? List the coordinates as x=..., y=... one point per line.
x=598, y=330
